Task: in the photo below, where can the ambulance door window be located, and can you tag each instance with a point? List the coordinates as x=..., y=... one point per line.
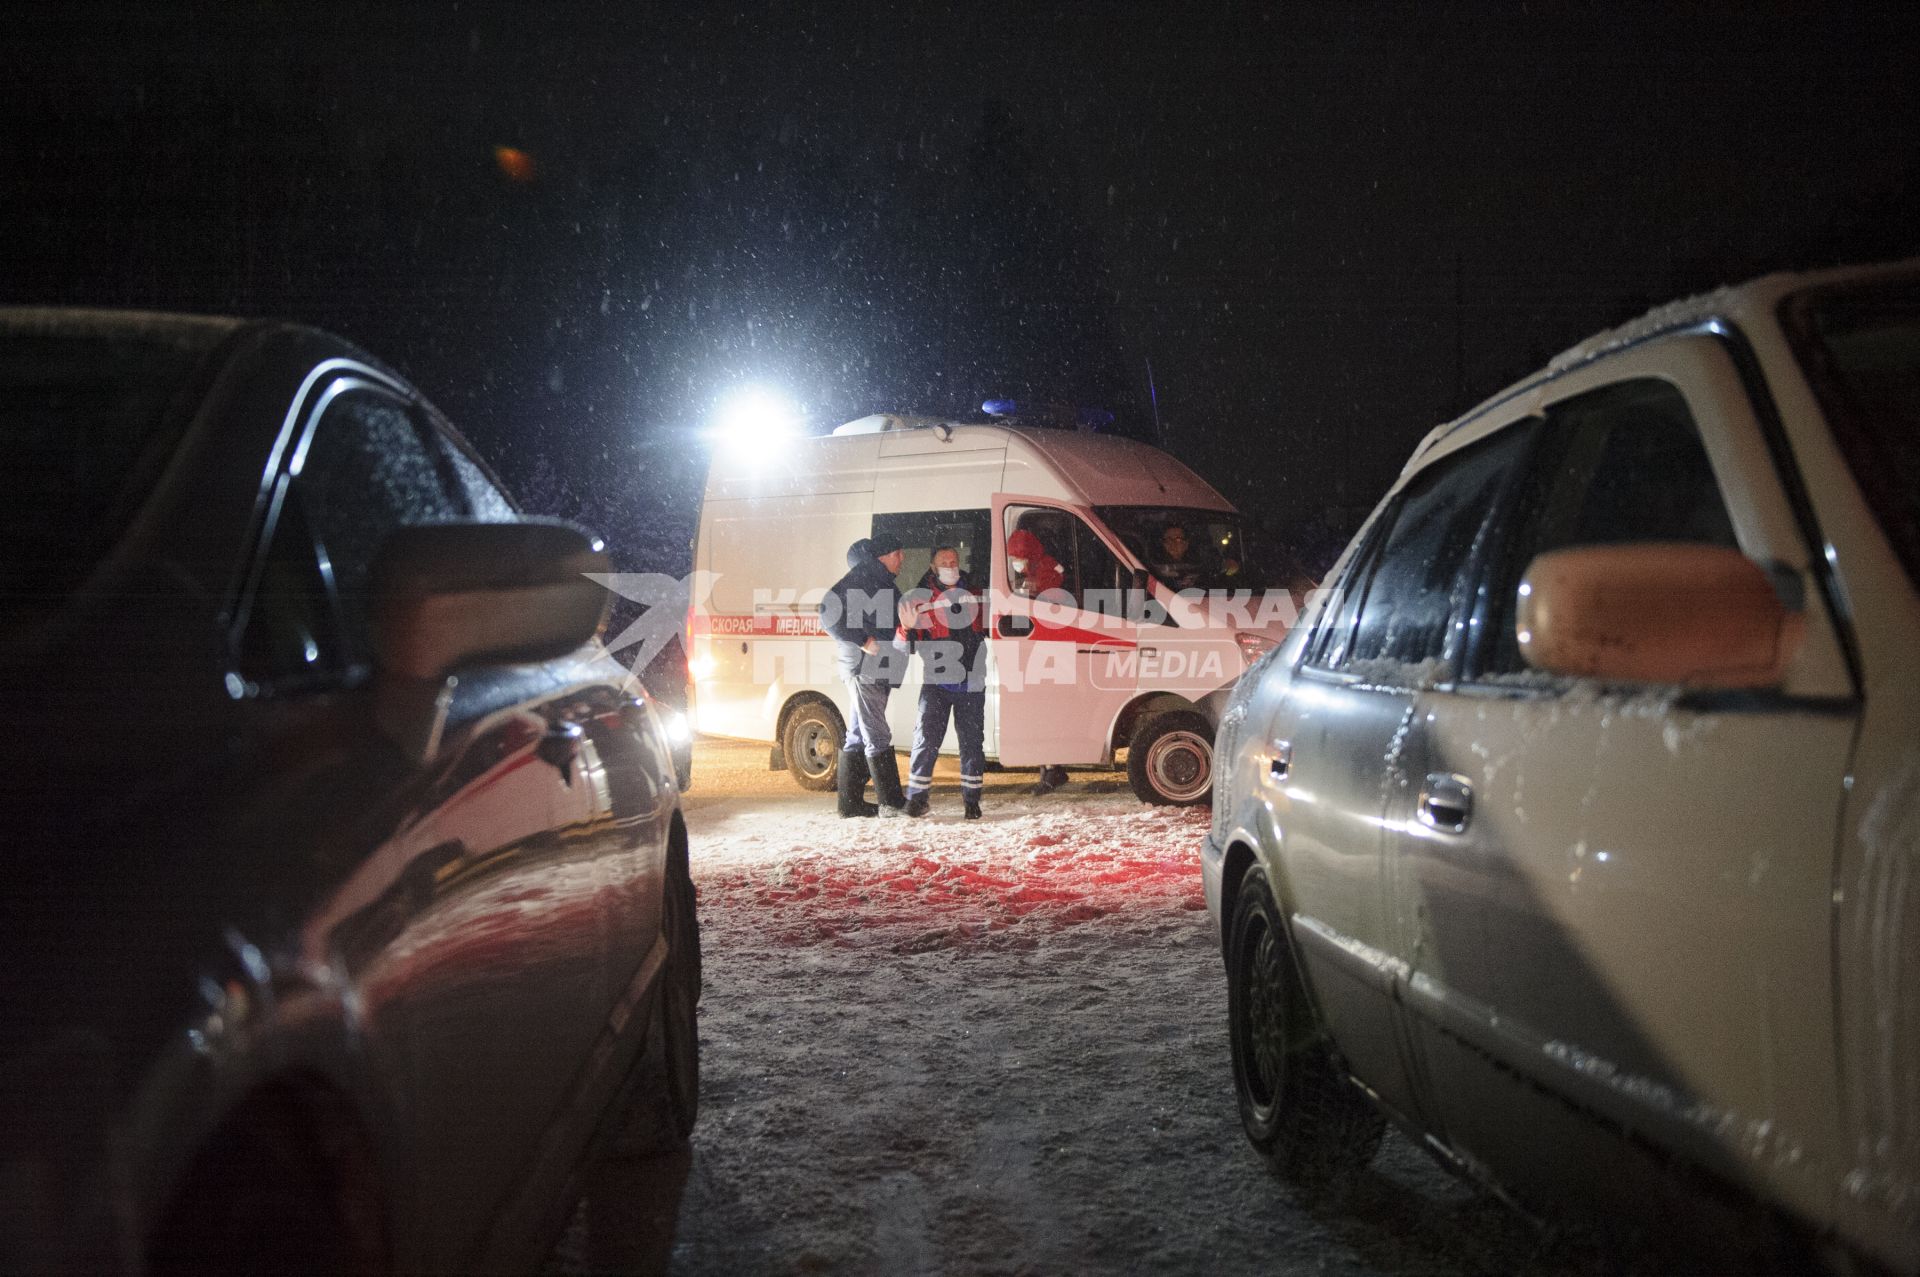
x=1040, y=553
x=1063, y=554
x=1102, y=581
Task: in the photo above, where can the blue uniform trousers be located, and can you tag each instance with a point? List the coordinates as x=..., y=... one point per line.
x=969, y=711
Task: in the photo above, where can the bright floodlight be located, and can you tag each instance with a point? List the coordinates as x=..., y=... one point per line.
x=756, y=420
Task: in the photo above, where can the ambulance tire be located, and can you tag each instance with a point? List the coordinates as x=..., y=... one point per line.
x=811, y=741
x=1170, y=760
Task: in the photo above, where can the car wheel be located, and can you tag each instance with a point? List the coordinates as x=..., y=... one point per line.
x=680, y=1002
x=811, y=742
x=1296, y=1104
x=663, y=1095
x=1170, y=760
x=261, y=1197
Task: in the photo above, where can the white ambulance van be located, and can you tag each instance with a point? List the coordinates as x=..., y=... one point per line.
x=1132, y=650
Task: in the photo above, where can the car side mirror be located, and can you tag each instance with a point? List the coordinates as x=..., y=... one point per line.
x=454, y=594
x=449, y=596
x=1698, y=615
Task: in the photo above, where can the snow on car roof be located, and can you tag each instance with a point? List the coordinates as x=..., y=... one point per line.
x=1721, y=302
x=80, y=322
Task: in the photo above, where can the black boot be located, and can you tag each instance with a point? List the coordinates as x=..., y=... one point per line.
x=853, y=783
x=886, y=783
x=973, y=808
x=1051, y=778
x=920, y=804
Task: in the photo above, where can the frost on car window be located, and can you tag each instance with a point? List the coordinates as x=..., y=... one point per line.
x=367, y=473
x=1417, y=674
x=484, y=501
x=1419, y=592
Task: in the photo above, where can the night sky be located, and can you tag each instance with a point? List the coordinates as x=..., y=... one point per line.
x=1324, y=227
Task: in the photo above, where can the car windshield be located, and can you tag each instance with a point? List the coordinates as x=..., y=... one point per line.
x=1861, y=348
x=1198, y=549
x=83, y=430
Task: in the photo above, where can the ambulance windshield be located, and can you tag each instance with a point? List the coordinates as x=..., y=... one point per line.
x=1198, y=549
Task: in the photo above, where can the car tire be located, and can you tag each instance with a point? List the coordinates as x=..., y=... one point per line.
x=1170, y=760
x=1296, y=1104
x=663, y=1095
x=811, y=741
x=260, y=1196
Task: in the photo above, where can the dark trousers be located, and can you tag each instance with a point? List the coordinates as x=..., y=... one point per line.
x=969, y=711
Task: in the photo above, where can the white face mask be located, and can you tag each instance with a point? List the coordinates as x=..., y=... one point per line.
x=948, y=576
x=1018, y=565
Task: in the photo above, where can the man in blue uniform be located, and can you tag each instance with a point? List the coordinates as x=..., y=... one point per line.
x=944, y=622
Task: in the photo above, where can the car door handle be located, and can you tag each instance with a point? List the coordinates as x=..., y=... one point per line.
x=1015, y=626
x=1280, y=762
x=1446, y=802
x=560, y=746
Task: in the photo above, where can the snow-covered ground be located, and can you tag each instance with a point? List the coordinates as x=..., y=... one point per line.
x=985, y=1047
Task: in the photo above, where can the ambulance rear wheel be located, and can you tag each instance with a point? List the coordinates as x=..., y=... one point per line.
x=811, y=742
x=1170, y=760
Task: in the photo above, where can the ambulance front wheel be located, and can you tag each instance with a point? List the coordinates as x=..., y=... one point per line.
x=1170, y=760
x=811, y=741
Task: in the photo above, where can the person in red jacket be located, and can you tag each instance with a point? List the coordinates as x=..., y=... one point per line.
x=1033, y=572
x=1030, y=569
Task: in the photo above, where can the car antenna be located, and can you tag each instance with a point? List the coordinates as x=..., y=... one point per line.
x=1153, y=397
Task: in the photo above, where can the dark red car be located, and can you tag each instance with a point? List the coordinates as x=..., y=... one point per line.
x=346, y=909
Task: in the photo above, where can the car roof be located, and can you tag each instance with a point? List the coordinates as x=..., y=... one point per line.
x=85, y=322
x=1756, y=296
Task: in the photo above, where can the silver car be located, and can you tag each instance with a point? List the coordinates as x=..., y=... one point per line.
x=1577, y=827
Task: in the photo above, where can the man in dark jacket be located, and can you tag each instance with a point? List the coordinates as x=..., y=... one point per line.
x=948, y=630
x=861, y=612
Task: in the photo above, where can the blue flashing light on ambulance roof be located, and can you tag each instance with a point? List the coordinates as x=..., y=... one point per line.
x=1049, y=413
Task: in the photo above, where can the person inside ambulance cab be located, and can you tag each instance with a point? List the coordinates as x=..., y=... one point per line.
x=1031, y=571
x=1175, y=564
x=1035, y=574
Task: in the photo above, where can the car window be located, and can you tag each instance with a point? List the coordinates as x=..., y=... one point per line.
x=85, y=428
x=1410, y=610
x=1861, y=350
x=921, y=532
x=366, y=473
x=1203, y=549
x=1328, y=645
x=1063, y=559
x=1620, y=465
x=1101, y=578
x=484, y=500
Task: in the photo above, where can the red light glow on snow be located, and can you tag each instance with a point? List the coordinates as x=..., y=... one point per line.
x=960, y=886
